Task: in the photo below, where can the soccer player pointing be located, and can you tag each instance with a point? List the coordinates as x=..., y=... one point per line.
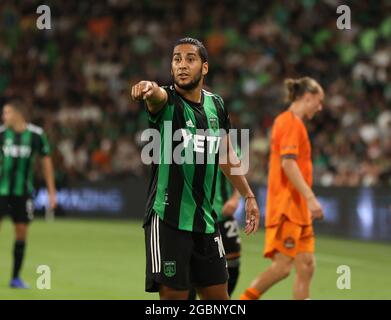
x=183, y=243
x=291, y=204
x=19, y=143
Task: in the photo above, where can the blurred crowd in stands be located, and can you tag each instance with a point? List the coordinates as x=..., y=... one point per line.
x=75, y=77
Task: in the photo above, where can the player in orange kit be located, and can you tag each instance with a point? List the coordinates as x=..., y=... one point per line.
x=291, y=204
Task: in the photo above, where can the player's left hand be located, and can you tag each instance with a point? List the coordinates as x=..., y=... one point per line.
x=229, y=207
x=252, y=215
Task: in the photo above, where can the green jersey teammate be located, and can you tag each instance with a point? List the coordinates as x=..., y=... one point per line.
x=183, y=245
x=19, y=143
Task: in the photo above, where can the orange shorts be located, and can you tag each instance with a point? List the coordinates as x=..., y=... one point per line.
x=289, y=238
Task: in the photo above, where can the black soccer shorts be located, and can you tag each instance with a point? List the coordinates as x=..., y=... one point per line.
x=20, y=208
x=229, y=229
x=182, y=259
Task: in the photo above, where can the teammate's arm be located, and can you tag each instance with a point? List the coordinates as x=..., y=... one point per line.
x=239, y=182
x=48, y=173
x=154, y=96
x=294, y=175
x=231, y=204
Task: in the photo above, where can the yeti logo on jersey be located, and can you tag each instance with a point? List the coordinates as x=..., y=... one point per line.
x=169, y=268
x=14, y=151
x=198, y=142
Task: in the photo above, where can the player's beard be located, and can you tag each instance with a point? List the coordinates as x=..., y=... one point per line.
x=192, y=84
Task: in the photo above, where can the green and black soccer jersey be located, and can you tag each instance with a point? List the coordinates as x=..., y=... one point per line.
x=182, y=193
x=17, y=151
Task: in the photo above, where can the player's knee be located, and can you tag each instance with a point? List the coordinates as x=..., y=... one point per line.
x=310, y=266
x=21, y=236
x=307, y=266
x=217, y=296
x=283, y=269
x=172, y=294
x=20, y=231
x=217, y=292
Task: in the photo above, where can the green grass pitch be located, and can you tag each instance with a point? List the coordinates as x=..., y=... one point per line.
x=104, y=259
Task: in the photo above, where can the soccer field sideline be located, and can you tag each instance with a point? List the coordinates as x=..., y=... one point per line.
x=105, y=260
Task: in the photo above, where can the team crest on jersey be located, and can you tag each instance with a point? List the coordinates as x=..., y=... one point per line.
x=190, y=124
x=169, y=268
x=213, y=123
x=289, y=243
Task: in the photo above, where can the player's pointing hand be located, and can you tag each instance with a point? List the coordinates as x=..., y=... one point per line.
x=142, y=90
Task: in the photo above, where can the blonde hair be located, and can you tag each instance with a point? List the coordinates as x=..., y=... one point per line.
x=296, y=88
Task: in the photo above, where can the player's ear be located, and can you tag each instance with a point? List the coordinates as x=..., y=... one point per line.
x=205, y=68
x=307, y=97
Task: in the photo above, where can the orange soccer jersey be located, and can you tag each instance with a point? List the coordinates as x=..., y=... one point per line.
x=289, y=137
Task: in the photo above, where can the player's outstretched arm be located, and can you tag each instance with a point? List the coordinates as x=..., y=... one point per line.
x=239, y=182
x=48, y=172
x=294, y=175
x=154, y=96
